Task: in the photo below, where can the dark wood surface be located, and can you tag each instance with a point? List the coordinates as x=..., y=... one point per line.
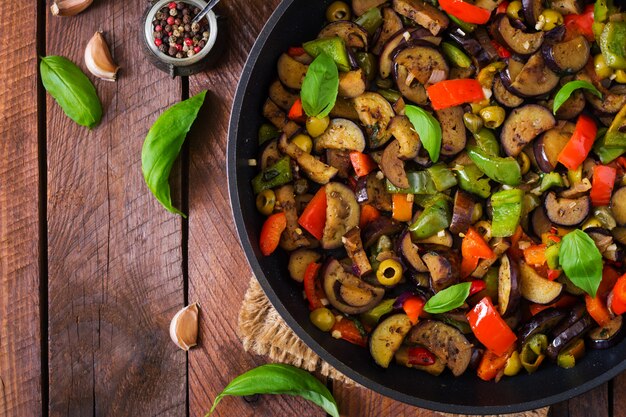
x=92, y=268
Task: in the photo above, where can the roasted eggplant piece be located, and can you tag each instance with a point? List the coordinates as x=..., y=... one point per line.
x=290, y=239
x=387, y=337
x=270, y=154
x=314, y=168
x=344, y=109
x=515, y=39
x=348, y=293
x=361, y=6
x=462, y=212
x=341, y=134
x=523, y=125
x=550, y=144
x=572, y=107
x=499, y=246
x=385, y=59
x=342, y=214
x=604, y=242
x=382, y=226
x=532, y=9
x=575, y=313
x=534, y=79
x=339, y=159
x=490, y=5
x=453, y=131
x=575, y=331
x=298, y=262
x=443, y=239
x=607, y=336
x=409, y=88
x=540, y=222
x=410, y=253
x=566, y=211
x=409, y=141
x=618, y=206
x=567, y=57
x=541, y=323
x=422, y=61
x=536, y=288
x=422, y=13
x=375, y=113
x=446, y=342
x=354, y=248
x=504, y=96
x=278, y=118
x=281, y=96
x=443, y=269
x=402, y=358
x=371, y=190
x=352, y=83
x=291, y=72
x=393, y=167
x=508, y=285
x=353, y=35
x=613, y=99
x=392, y=24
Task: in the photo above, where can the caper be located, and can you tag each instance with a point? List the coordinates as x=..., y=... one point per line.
x=602, y=69
x=513, y=10
x=524, y=162
x=317, y=125
x=338, y=10
x=322, y=318
x=493, y=116
x=303, y=142
x=389, y=272
x=549, y=19
x=265, y=202
x=473, y=122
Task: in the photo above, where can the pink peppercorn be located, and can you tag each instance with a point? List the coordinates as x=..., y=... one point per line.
x=158, y=42
x=172, y=5
x=196, y=49
x=188, y=41
x=158, y=28
x=170, y=20
x=179, y=47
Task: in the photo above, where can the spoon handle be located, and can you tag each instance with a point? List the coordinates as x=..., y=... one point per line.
x=204, y=11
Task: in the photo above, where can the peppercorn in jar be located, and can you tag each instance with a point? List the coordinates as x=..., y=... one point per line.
x=174, y=33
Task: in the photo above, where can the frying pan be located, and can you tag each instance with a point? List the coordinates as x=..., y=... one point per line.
x=294, y=22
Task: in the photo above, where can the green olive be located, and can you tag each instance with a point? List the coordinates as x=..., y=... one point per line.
x=389, y=272
x=316, y=125
x=322, y=318
x=265, y=202
x=477, y=213
x=338, y=10
x=493, y=116
x=603, y=71
x=513, y=10
x=620, y=76
x=303, y=142
x=524, y=163
x=549, y=19
x=473, y=122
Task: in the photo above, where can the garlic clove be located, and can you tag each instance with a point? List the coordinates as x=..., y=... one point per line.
x=98, y=58
x=184, y=327
x=69, y=7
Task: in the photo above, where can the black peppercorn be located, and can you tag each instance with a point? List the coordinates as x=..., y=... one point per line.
x=172, y=51
x=177, y=36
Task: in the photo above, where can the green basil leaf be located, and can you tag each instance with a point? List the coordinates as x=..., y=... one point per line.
x=581, y=261
x=448, y=299
x=71, y=88
x=566, y=91
x=320, y=87
x=276, y=378
x=428, y=129
x=162, y=146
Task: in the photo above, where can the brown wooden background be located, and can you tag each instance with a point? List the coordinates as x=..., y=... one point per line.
x=92, y=268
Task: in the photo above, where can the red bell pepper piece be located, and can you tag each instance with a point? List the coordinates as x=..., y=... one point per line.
x=501, y=50
x=402, y=209
x=492, y=364
x=421, y=356
x=296, y=112
x=579, y=145
x=368, y=214
x=535, y=255
x=271, y=231
x=362, y=163
x=489, y=327
x=313, y=287
x=477, y=286
x=597, y=306
x=580, y=24
x=553, y=274
x=473, y=248
x=450, y=93
x=413, y=307
x=618, y=303
x=295, y=51
x=502, y=7
x=348, y=331
x=465, y=11
x=564, y=301
x=602, y=185
x=313, y=218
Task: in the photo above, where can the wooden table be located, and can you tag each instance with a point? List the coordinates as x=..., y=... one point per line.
x=92, y=268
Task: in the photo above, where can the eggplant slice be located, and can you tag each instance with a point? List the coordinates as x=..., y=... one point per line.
x=508, y=285
x=348, y=293
x=532, y=9
x=291, y=72
x=618, y=206
x=504, y=96
x=443, y=269
x=534, y=79
x=523, y=125
x=393, y=167
x=353, y=35
x=454, y=136
x=462, y=212
x=548, y=147
x=607, y=336
x=422, y=13
x=341, y=134
x=410, y=253
x=566, y=211
x=392, y=24
x=375, y=113
x=423, y=62
x=371, y=190
x=342, y=214
x=387, y=338
x=515, y=39
x=567, y=57
x=542, y=323
x=567, y=336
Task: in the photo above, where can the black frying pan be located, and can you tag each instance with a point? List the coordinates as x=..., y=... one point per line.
x=293, y=22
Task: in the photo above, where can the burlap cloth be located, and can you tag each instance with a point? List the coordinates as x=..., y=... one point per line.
x=263, y=331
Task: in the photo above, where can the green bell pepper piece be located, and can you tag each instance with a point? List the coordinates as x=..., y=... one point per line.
x=367, y=62
x=503, y=170
x=605, y=153
x=420, y=182
x=552, y=179
x=467, y=27
x=552, y=255
x=435, y=217
x=491, y=282
x=469, y=177
x=371, y=20
x=507, y=212
x=455, y=55
x=568, y=356
x=602, y=9
x=372, y=316
x=273, y=176
x=486, y=140
x=334, y=47
x=613, y=44
x=442, y=176
x=615, y=136
x=533, y=352
x=267, y=132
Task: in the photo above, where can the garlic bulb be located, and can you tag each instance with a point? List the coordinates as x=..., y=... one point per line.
x=69, y=7
x=98, y=58
x=184, y=327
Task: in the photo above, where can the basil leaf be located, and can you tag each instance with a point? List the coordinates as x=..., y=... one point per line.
x=428, y=129
x=276, y=378
x=581, y=261
x=448, y=299
x=71, y=88
x=320, y=87
x=162, y=146
x=566, y=91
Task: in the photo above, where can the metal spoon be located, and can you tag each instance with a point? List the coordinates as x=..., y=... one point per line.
x=204, y=11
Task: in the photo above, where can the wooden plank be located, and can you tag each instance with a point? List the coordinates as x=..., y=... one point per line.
x=20, y=338
x=619, y=396
x=218, y=271
x=593, y=403
x=362, y=402
x=115, y=255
